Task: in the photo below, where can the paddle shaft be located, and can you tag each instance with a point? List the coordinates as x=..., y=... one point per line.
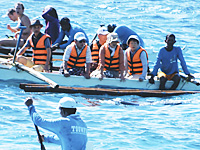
x=39, y=137
x=18, y=41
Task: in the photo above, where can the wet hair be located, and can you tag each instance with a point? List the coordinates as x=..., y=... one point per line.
x=11, y=11
x=111, y=27
x=53, y=13
x=64, y=20
x=69, y=110
x=170, y=35
x=19, y=3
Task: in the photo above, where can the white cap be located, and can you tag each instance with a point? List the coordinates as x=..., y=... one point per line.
x=79, y=36
x=133, y=37
x=112, y=37
x=102, y=30
x=67, y=102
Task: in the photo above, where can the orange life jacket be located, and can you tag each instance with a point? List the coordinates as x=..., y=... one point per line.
x=95, y=52
x=111, y=62
x=135, y=64
x=76, y=60
x=39, y=50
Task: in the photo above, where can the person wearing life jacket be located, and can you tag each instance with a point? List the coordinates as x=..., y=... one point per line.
x=77, y=57
x=102, y=33
x=111, y=59
x=136, y=59
x=40, y=43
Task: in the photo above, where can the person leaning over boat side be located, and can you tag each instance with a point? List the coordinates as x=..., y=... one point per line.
x=13, y=16
x=135, y=59
x=167, y=62
x=123, y=33
x=76, y=56
x=111, y=59
x=40, y=44
x=52, y=23
x=23, y=20
x=69, y=31
x=102, y=33
x=70, y=129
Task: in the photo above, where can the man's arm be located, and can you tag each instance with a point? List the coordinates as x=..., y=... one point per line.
x=126, y=62
x=60, y=37
x=47, y=46
x=143, y=58
x=52, y=139
x=182, y=60
x=101, y=60
x=12, y=29
x=121, y=64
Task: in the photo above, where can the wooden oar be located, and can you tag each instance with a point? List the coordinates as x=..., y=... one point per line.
x=39, y=137
x=37, y=75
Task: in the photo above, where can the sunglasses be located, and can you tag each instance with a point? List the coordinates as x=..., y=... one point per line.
x=82, y=41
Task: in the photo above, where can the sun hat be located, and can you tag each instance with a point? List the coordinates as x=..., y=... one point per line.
x=112, y=37
x=102, y=30
x=133, y=37
x=79, y=36
x=35, y=23
x=67, y=102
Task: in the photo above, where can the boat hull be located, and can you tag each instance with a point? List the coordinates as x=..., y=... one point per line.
x=9, y=72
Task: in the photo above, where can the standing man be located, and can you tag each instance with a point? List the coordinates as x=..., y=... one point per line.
x=23, y=20
x=40, y=44
x=69, y=31
x=111, y=59
x=167, y=62
x=136, y=59
x=76, y=56
x=102, y=33
x=70, y=128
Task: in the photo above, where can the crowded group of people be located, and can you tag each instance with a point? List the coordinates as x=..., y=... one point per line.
x=117, y=53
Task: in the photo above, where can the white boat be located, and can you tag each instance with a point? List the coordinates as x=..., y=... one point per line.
x=12, y=73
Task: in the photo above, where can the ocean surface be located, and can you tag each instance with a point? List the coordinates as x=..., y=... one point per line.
x=170, y=123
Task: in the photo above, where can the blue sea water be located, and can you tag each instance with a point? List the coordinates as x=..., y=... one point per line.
x=155, y=123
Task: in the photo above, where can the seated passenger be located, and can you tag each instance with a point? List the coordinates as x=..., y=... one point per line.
x=77, y=55
x=111, y=59
x=23, y=20
x=69, y=31
x=52, y=23
x=40, y=44
x=135, y=59
x=102, y=33
x=167, y=62
x=124, y=33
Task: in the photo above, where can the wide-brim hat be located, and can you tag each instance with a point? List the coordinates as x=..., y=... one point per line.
x=135, y=37
x=35, y=23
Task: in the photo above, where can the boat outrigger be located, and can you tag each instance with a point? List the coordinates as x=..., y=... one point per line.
x=112, y=86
